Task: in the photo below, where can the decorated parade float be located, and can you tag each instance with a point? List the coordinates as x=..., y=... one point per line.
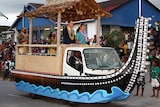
x=51, y=74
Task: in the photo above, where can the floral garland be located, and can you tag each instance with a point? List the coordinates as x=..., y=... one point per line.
x=72, y=35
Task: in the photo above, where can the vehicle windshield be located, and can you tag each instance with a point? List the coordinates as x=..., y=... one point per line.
x=102, y=59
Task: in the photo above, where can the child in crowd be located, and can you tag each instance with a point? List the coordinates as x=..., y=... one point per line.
x=140, y=82
x=150, y=59
x=5, y=69
x=124, y=59
x=155, y=70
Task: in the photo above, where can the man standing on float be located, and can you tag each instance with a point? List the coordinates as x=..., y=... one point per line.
x=68, y=34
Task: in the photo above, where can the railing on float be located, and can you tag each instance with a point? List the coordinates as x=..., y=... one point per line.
x=26, y=49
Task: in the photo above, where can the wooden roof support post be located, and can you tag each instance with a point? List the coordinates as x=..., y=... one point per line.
x=30, y=33
x=98, y=29
x=58, y=30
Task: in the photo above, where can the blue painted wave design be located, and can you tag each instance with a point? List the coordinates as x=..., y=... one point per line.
x=99, y=96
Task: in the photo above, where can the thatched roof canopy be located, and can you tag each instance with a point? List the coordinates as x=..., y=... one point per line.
x=74, y=10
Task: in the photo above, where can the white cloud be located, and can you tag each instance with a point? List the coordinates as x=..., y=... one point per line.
x=12, y=8
x=9, y=21
x=155, y=2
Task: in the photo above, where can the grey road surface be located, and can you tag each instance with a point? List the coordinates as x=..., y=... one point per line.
x=10, y=97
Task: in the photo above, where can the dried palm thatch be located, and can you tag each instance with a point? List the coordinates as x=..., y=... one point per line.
x=74, y=10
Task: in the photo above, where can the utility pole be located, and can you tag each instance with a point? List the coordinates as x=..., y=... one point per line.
x=140, y=8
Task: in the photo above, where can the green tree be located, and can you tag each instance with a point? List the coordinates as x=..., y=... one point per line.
x=114, y=38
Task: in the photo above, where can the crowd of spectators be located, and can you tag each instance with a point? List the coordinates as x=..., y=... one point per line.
x=127, y=42
x=7, y=58
x=153, y=57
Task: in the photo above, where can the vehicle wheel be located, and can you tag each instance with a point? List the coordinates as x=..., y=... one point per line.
x=73, y=104
x=34, y=96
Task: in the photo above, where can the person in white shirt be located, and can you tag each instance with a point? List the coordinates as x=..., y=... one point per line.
x=6, y=69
